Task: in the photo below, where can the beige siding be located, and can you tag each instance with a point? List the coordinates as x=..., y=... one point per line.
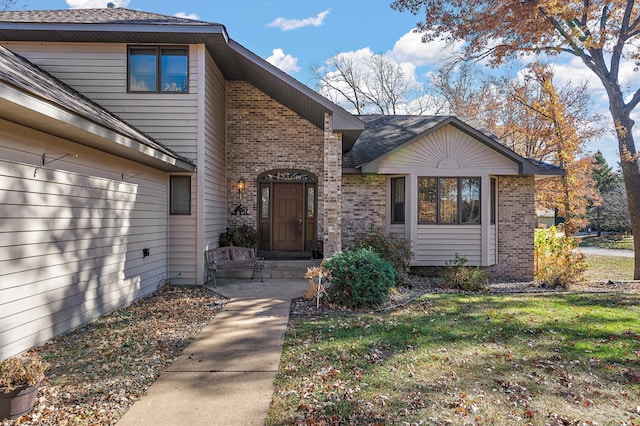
x=99, y=71
x=72, y=235
x=447, y=152
x=215, y=190
x=438, y=243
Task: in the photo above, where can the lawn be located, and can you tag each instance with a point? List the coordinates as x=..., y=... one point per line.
x=609, y=268
x=619, y=242
x=448, y=358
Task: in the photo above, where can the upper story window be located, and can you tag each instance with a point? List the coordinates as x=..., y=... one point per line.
x=449, y=200
x=158, y=69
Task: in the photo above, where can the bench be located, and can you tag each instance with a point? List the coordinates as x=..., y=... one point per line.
x=230, y=259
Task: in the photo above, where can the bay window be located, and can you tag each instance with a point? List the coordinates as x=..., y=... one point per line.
x=449, y=200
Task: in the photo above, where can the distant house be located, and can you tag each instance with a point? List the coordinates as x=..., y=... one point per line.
x=129, y=141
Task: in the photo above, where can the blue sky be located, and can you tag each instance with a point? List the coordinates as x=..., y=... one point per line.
x=295, y=35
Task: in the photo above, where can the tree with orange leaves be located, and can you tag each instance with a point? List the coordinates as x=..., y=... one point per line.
x=561, y=134
x=604, y=34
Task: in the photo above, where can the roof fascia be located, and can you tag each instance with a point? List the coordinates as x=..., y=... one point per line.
x=157, y=158
x=78, y=29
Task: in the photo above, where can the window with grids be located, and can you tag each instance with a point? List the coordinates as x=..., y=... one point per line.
x=449, y=200
x=158, y=69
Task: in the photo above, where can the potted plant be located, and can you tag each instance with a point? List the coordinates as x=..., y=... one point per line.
x=317, y=249
x=20, y=377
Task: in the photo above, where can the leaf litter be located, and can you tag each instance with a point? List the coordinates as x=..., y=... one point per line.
x=99, y=370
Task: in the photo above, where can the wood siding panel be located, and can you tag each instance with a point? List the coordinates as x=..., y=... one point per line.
x=71, y=237
x=438, y=243
x=448, y=151
x=99, y=71
x=215, y=188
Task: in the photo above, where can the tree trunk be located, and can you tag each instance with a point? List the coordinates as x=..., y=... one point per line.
x=628, y=164
x=631, y=175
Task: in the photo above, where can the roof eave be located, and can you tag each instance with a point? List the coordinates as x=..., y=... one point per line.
x=96, y=135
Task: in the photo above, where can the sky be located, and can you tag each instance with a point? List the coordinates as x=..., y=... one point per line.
x=296, y=35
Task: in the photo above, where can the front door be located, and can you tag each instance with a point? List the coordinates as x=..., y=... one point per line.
x=288, y=206
x=287, y=213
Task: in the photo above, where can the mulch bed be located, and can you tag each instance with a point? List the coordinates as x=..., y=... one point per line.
x=98, y=371
x=418, y=286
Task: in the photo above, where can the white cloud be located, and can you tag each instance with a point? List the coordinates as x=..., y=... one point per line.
x=285, y=62
x=292, y=24
x=410, y=48
x=187, y=15
x=95, y=4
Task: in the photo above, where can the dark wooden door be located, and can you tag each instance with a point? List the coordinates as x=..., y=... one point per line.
x=287, y=216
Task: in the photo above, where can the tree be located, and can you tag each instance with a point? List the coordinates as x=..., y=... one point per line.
x=465, y=91
x=615, y=216
x=558, y=129
x=604, y=34
x=376, y=84
x=605, y=180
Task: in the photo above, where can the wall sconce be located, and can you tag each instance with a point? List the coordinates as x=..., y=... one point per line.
x=241, y=187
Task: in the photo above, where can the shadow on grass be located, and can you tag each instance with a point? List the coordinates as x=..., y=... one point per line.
x=529, y=348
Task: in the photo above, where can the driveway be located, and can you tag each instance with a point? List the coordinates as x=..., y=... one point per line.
x=605, y=252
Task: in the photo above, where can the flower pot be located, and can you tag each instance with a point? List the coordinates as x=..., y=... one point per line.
x=19, y=401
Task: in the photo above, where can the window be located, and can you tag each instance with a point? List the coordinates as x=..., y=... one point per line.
x=448, y=200
x=158, y=69
x=397, y=200
x=180, y=195
x=311, y=202
x=265, y=195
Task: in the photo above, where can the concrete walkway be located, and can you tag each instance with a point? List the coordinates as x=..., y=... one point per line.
x=225, y=376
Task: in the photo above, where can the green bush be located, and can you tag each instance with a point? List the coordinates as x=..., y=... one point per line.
x=557, y=264
x=239, y=236
x=391, y=248
x=462, y=277
x=360, y=278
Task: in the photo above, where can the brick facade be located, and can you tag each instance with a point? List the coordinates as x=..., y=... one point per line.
x=516, y=223
x=363, y=205
x=332, y=225
x=264, y=135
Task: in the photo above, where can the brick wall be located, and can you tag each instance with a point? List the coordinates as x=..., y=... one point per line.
x=262, y=135
x=363, y=205
x=516, y=222
x=332, y=224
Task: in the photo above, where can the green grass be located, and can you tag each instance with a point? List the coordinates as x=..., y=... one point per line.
x=609, y=242
x=609, y=268
x=466, y=359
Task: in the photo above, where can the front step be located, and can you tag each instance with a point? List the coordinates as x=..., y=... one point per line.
x=287, y=268
x=274, y=269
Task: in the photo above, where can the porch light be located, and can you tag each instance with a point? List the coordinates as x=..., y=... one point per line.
x=241, y=186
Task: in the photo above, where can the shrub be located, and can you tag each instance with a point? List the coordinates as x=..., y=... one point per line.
x=360, y=278
x=391, y=248
x=239, y=236
x=556, y=262
x=462, y=277
x=27, y=369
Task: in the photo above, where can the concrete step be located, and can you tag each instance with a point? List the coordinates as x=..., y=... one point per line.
x=282, y=269
x=288, y=268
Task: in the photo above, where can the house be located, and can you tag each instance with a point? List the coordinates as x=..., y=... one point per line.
x=129, y=141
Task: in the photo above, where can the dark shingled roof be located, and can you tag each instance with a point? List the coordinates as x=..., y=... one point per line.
x=116, y=15
x=19, y=72
x=384, y=133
